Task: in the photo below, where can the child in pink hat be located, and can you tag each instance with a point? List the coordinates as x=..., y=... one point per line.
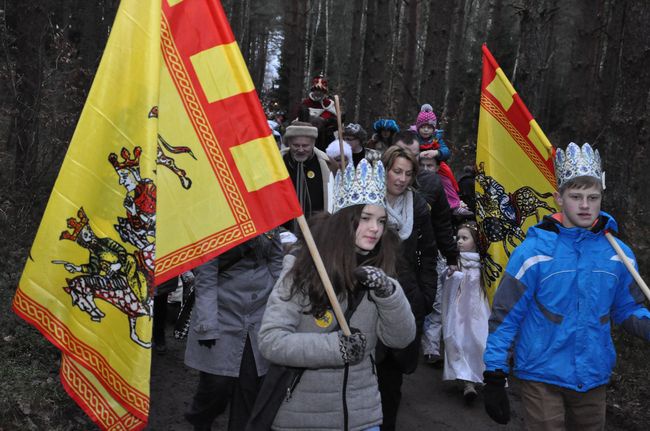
x=432, y=146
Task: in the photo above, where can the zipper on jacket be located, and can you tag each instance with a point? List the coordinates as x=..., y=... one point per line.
x=345, y=401
x=292, y=386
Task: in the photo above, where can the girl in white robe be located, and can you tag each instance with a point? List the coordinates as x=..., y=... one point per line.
x=465, y=314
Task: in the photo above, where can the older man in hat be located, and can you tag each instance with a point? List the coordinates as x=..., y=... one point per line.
x=307, y=166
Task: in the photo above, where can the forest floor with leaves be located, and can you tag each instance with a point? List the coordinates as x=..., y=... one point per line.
x=32, y=398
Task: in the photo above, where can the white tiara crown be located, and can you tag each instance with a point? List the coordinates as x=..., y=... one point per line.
x=577, y=162
x=365, y=185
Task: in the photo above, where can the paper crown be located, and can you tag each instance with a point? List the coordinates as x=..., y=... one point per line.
x=577, y=162
x=365, y=185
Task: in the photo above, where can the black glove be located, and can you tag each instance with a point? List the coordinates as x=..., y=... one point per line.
x=372, y=278
x=352, y=346
x=497, y=404
x=207, y=343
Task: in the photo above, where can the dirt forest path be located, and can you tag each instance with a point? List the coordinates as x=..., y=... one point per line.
x=427, y=402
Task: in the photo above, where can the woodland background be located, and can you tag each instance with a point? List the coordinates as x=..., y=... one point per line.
x=581, y=66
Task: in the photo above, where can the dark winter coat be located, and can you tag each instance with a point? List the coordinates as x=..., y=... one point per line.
x=467, y=193
x=431, y=189
x=416, y=271
x=231, y=294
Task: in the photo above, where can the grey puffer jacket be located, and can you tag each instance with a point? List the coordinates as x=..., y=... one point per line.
x=290, y=336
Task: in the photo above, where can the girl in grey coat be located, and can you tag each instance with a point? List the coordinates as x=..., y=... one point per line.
x=231, y=294
x=338, y=390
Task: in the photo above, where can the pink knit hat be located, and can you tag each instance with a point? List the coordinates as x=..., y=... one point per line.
x=426, y=116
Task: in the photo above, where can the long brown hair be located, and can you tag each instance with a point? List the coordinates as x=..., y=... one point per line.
x=334, y=236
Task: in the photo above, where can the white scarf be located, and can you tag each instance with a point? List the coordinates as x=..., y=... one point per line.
x=400, y=214
x=470, y=259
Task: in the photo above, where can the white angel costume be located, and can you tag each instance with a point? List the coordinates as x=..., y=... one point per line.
x=465, y=315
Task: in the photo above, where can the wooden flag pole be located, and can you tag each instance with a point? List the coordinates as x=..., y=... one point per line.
x=628, y=264
x=337, y=105
x=320, y=267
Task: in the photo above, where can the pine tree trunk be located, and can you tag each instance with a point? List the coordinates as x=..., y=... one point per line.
x=352, y=74
x=407, y=95
x=295, y=28
x=376, y=52
x=311, y=42
x=327, y=38
x=394, y=73
x=437, y=43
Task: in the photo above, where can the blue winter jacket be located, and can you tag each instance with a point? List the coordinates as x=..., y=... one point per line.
x=561, y=290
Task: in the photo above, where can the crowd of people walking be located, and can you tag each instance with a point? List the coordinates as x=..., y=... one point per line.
x=399, y=241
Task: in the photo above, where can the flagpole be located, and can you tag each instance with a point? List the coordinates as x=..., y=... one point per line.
x=320, y=267
x=337, y=105
x=628, y=265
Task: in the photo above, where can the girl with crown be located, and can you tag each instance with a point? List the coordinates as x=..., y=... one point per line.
x=338, y=388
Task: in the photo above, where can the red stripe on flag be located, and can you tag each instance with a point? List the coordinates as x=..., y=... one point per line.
x=198, y=25
x=238, y=119
x=520, y=118
x=490, y=67
x=519, y=104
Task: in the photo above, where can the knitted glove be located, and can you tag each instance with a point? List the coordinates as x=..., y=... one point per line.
x=497, y=404
x=207, y=343
x=352, y=346
x=372, y=278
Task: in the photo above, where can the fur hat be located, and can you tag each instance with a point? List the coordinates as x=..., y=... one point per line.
x=354, y=129
x=298, y=128
x=426, y=116
x=334, y=150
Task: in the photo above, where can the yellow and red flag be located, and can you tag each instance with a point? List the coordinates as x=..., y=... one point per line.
x=240, y=186
x=171, y=163
x=515, y=174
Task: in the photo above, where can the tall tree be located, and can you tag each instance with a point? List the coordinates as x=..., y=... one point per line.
x=406, y=95
x=377, y=44
x=353, y=69
x=292, y=70
x=439, y=25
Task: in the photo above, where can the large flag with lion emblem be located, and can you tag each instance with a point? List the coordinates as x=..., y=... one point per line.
x=171, y=163
x=515, y=176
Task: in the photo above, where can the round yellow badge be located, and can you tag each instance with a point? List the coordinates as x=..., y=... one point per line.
x=311, y=174
x=326, y=320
